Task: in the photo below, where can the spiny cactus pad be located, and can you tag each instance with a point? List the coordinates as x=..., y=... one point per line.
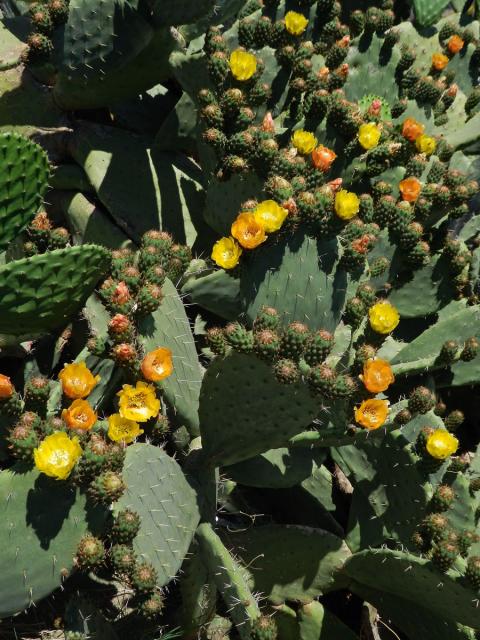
x=158, y=491
x=23, y=181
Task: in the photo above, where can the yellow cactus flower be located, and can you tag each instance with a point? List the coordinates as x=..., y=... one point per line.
x=79, y=415
x=441, y=444
x=347, y=204
x=369, y=135
x=304, y=141
x=157, y=364
x=248, y=231
x=138, y=403
x=57, y=454
x=77, y=380
x=372, y=413
x=377, y=375
x=426, y=144
x=270, y=215
x=383, y=317
x=122, y=429
x=242, y=64
x=295, y=23
x=226, y=253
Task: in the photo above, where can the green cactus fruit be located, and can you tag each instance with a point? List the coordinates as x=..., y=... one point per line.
x=355, y=311
x=366, y=293
x=247, y=33
x=363, y=353
x=267, y=318
x=470, y=349
x=403, y=417
x=266, y=343
x=125, y=355
x=419, y=542
x=472, y=571
x=215, y=138
x=58, y=10
x=216, y=341
x=286, y=371
x=41, y=18
x=97, y=346
x=149, y=298
x=120, y=328
x=421, y=400
x=231, y=101
x=36, y=393
x=264, y=628
x=444, y=555
x=106, y=488
x=59, y=238
x=434, y=526
x=40, y=48
x=473, y=100
x=90, y=552
x=12, y=406
x=239, y=337
x=155, y=275
x=318, y=346
x=218, y=67
x=94, y=459
x=22, y=440
x=143, y=577
x=454, y=420
x=125, y=527
x=321, y=379
x=151, y=608
x=344, y=387
x=474, y=485
x=448, y=352
x=123, y=558
x=294, y=337
x=442, y=498
x=465, y=541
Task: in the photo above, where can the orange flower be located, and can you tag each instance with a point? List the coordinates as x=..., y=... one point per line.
x=79, y=415
x=412, y=129
x=77, y=380
x=157, y=364
x=323, y=157
x=377, y=375
x=410, y=189
x=455, y=44
x=6, y=387
x=121, y=295
x=371, y=414
x=439, y=61
x=248, y=231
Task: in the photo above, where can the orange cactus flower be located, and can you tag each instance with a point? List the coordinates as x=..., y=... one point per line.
x=157, y=364
x=377, y=375
x=323, y=157
x=455, y=44
x=371, y=414
x=121, y=295
x=410, y=189
x=439, y=61
x=412, y=129
x=77, y=380
x=248, y=231
x=6, y=387
x=79, y=415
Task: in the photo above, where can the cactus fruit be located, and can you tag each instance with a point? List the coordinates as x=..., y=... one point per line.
x=90, y=552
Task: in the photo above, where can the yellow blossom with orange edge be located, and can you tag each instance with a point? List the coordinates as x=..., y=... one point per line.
x=377, y=375
x=270, y=215
x=426, y=144
x=369, y=135
x=441, y=444
x=139, y=402
x=157, y=364
x=383, y=317
x=79, y=415
x=347, y=204
x=122, y=429
x=304, y=141
x=57, y=454
x=372, y=413
x=295, y=23
x=248, y=231
x=455, y=44
x=242, y=64
x=77, y=380
x=6, y=387
x=439, y=61
x=226, y=253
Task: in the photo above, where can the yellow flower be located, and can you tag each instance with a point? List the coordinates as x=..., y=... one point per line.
x=157, y=364
x=369, y=135
x=77, y=380
x=304, y=141
x=248, y=231
x=270, y=215
x=79, y=415
x=242, y=64
x=57, y=454
x=383, y=317
x=426, y=144
x=347, y=204
x=371, y=414
x=441, y=444
x=295, y=23
x=226, y=253
x=122, y=429
x=138, y=403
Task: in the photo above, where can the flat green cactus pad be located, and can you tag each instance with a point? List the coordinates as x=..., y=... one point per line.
x=41, y=293
x=42, y=521
x=159, y=492
x=23, y=183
